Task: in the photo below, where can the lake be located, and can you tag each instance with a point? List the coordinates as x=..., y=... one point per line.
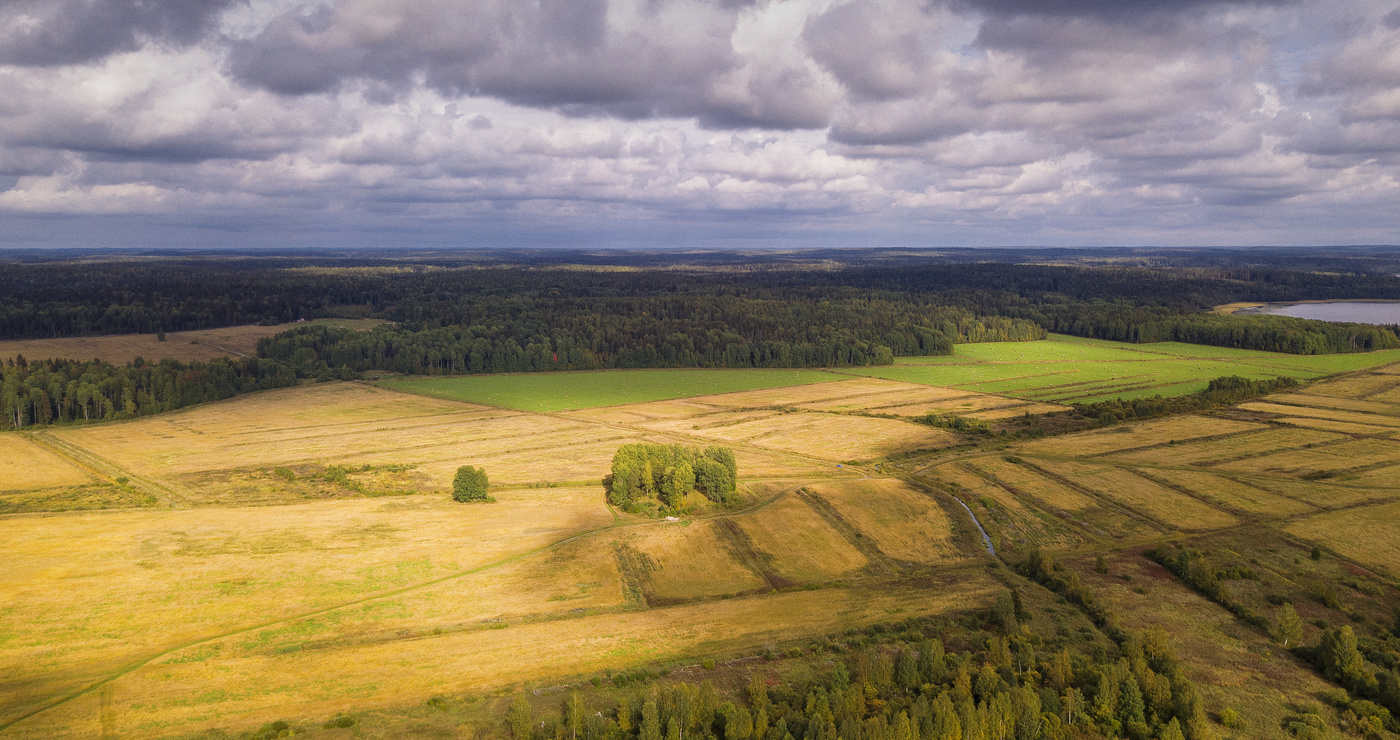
x=1360, y=312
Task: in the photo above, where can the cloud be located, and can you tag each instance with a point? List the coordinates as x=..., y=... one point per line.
x=54, y=32
x=992, y=121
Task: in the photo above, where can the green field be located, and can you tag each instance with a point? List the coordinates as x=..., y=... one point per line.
x=550, y=392
x=1073, y=369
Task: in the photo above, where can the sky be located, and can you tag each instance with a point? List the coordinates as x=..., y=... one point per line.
x=698, y=123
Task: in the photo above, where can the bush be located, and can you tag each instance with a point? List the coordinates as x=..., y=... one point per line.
x=341, y=721
x=470, y=485
x=1231, y=719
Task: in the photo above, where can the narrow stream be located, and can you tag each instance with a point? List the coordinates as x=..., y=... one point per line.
x=986, y=541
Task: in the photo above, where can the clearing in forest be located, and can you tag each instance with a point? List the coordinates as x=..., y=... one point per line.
x=185, y=346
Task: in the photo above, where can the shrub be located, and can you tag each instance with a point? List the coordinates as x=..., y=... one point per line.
x=341, y=721
x=470, y=485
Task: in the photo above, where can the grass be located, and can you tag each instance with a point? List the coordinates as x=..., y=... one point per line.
x=804, y=548
x=1173, y=509
x=1139, y=434
x=1355, y=534
x=185, y=346
x=998, y=510
x=906, y=525
x=549, y=392
x=1232, y=494
x=1066, y=369
x=691, y=560
x=26, y=466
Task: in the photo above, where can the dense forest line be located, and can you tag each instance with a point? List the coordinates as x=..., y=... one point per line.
x=523, y=335
x=673, y=317
x=59, y=391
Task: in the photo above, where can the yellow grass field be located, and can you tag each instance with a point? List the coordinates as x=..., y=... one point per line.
x=1231, y=493
x=202, y=344
x=1140, y=434
x=1139, y=494
x=1020, y=521
x=1354, y=533
x=26, y=466
x=1331, y=425
x=1217, y=450
x=237, y=692
x=691, y=561
x=804, y=548
x=906, y=525
x=201, y=572
x=1357, y=417
x=1329, y=402
x=1342, y=456
x=1359, y=386
x=1030, y=483
x=826, y=436
x=1324, y=494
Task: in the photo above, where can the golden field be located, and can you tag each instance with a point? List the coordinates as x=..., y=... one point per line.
x=258, y=588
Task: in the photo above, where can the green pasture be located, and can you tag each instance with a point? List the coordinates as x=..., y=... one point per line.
x=548, y=392
x=1069, y=369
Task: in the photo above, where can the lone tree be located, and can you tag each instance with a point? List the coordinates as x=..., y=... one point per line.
x=470, y=484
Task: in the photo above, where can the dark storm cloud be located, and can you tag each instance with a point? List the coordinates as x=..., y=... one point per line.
x=50, y=32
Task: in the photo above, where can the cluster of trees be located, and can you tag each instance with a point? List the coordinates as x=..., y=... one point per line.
x=1009, y=684
x=1220, y=392
x=57, y=391
x=645, y=472
x=470, y=484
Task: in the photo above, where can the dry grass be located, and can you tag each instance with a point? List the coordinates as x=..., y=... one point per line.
x=1140, y=434
x=203, y=344
x=1016, y=519
x=25, y=466
x=1359, y=386
x=828, y=436
x=1328, y=402
x=1356, y=417
x=690, y=560
x=75, y=498
x=1231, y=493
x=906, y=525
x=198, y=689
x=1342, y=456
x=803, y=547
x=1354, y=533
x=1325, y=495
x=1139, y=494
x=1030, y=483
x=1006, y=412
x=140, y=582
x=1344, y=427
x=1217, y=450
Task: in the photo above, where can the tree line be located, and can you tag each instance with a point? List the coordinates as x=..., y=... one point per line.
x=646, y=473
x=783, y=316
x=59, y=391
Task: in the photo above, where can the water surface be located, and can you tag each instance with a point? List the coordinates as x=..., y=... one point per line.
x=1359, y=312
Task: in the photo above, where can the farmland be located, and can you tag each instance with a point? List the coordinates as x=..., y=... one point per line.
x=305, y=533
x=1072, y=369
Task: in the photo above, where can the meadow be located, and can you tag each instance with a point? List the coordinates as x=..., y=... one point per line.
x=1064, y=369
x=283, y=553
